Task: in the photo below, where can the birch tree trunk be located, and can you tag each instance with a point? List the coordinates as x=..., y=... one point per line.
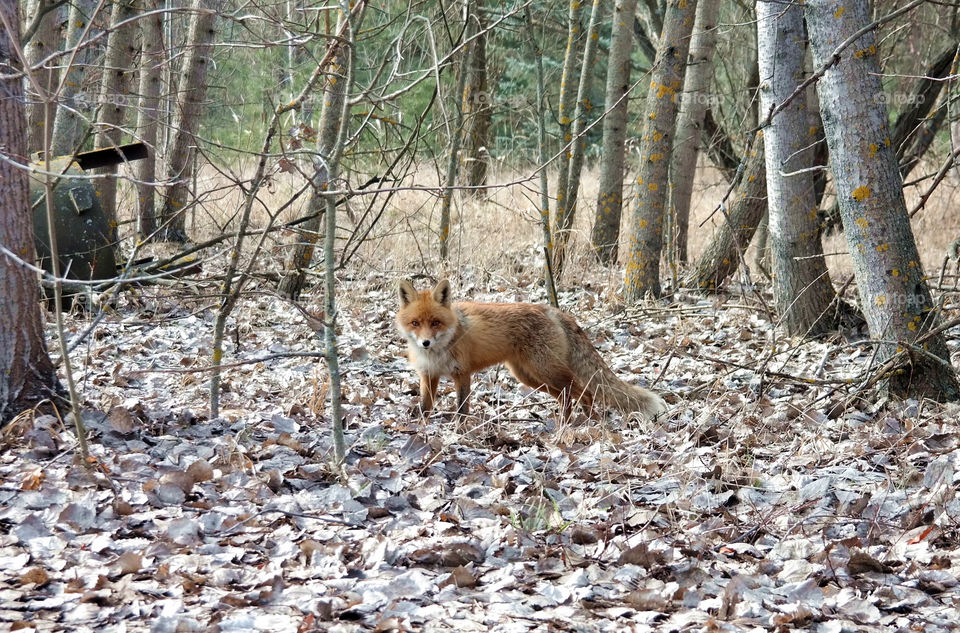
x=606, y=223
x=114, y=93
x=642, y=273
x=45, y=41
x=71, y=123
x=801, y=284
x=148, y=117
x=696, y=96
x=567, y=211
x=186, y=117
x=893, y=291
x=27, y=376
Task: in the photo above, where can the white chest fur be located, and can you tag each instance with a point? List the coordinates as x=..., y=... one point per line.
x=433, y=362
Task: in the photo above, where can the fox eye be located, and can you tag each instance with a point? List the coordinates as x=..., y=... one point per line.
x=435, y=323
x=414, y=323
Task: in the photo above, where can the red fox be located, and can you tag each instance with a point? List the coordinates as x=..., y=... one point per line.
x=540, y=345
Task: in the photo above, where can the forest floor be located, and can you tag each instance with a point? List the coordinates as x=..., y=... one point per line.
x=779, y=494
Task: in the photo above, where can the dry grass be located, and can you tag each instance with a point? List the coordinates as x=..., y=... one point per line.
x=496, y=237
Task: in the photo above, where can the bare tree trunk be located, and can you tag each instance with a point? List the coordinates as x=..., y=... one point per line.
x=696, y=96
x=567, y=211
x=642, y=273
x=456, y=136
x=548, y=279
x=565, y=112
x=71, y=123
x=114, y=92
x=478, y=112
x=606, y=223
x=801, y=284
x=27, y=376
x=893, y=291
x=148, y=117
x=726, y=247
x=186, y=118
x=45, y=41
x=334, y=97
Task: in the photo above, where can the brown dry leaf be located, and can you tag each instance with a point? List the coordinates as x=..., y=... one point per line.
x=122, y=420
x=460, y=554
x=647, y=600
x=582, y=535
x=860, y=563
x=285, y=439
x=459, y=577
x=129, y=562
x=388, y=625
x=641, y=556
x=35, y=576
x=200, y=471
x=32, y=480
x=179, y=478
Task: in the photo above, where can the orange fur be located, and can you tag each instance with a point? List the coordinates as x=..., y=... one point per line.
x=542, y=347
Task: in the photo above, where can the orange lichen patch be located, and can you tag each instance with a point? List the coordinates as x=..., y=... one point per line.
x=864, y=52
x=883, y=248
x=862, y=223
x=861, y=193
x=840, y=11
x=873, y=149
x=652, y=186
x=880, y=300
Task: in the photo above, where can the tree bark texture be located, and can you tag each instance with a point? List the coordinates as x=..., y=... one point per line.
x=113, y=101
x=148, y=118
x=893, y=291
x=567, y=211
x=71, y=123
x=45, y=41
x=642, y=273
x=478, y=112
x=26, y=374
x=186, y=117
x=335, y=90
x=801, y=284
x=606, y=223
x=723, y=253
x=456, y=135
x=696, y=97
x=565, y=113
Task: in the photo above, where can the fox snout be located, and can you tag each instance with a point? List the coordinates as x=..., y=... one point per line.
x=425, y=343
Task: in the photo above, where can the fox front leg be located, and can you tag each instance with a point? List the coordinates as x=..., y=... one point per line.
x=462, y=383
x=428, y=393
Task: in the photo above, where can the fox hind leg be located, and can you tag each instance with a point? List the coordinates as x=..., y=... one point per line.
x=556, y=380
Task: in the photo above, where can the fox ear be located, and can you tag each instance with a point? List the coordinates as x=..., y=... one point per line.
x=441, y=294
x=406, y=292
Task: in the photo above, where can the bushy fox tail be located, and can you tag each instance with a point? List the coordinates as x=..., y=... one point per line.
x=607, y=389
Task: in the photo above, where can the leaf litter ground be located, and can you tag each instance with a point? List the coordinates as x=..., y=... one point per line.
x=777, y=495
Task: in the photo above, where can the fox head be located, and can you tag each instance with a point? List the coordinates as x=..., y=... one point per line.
x=426, y=318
